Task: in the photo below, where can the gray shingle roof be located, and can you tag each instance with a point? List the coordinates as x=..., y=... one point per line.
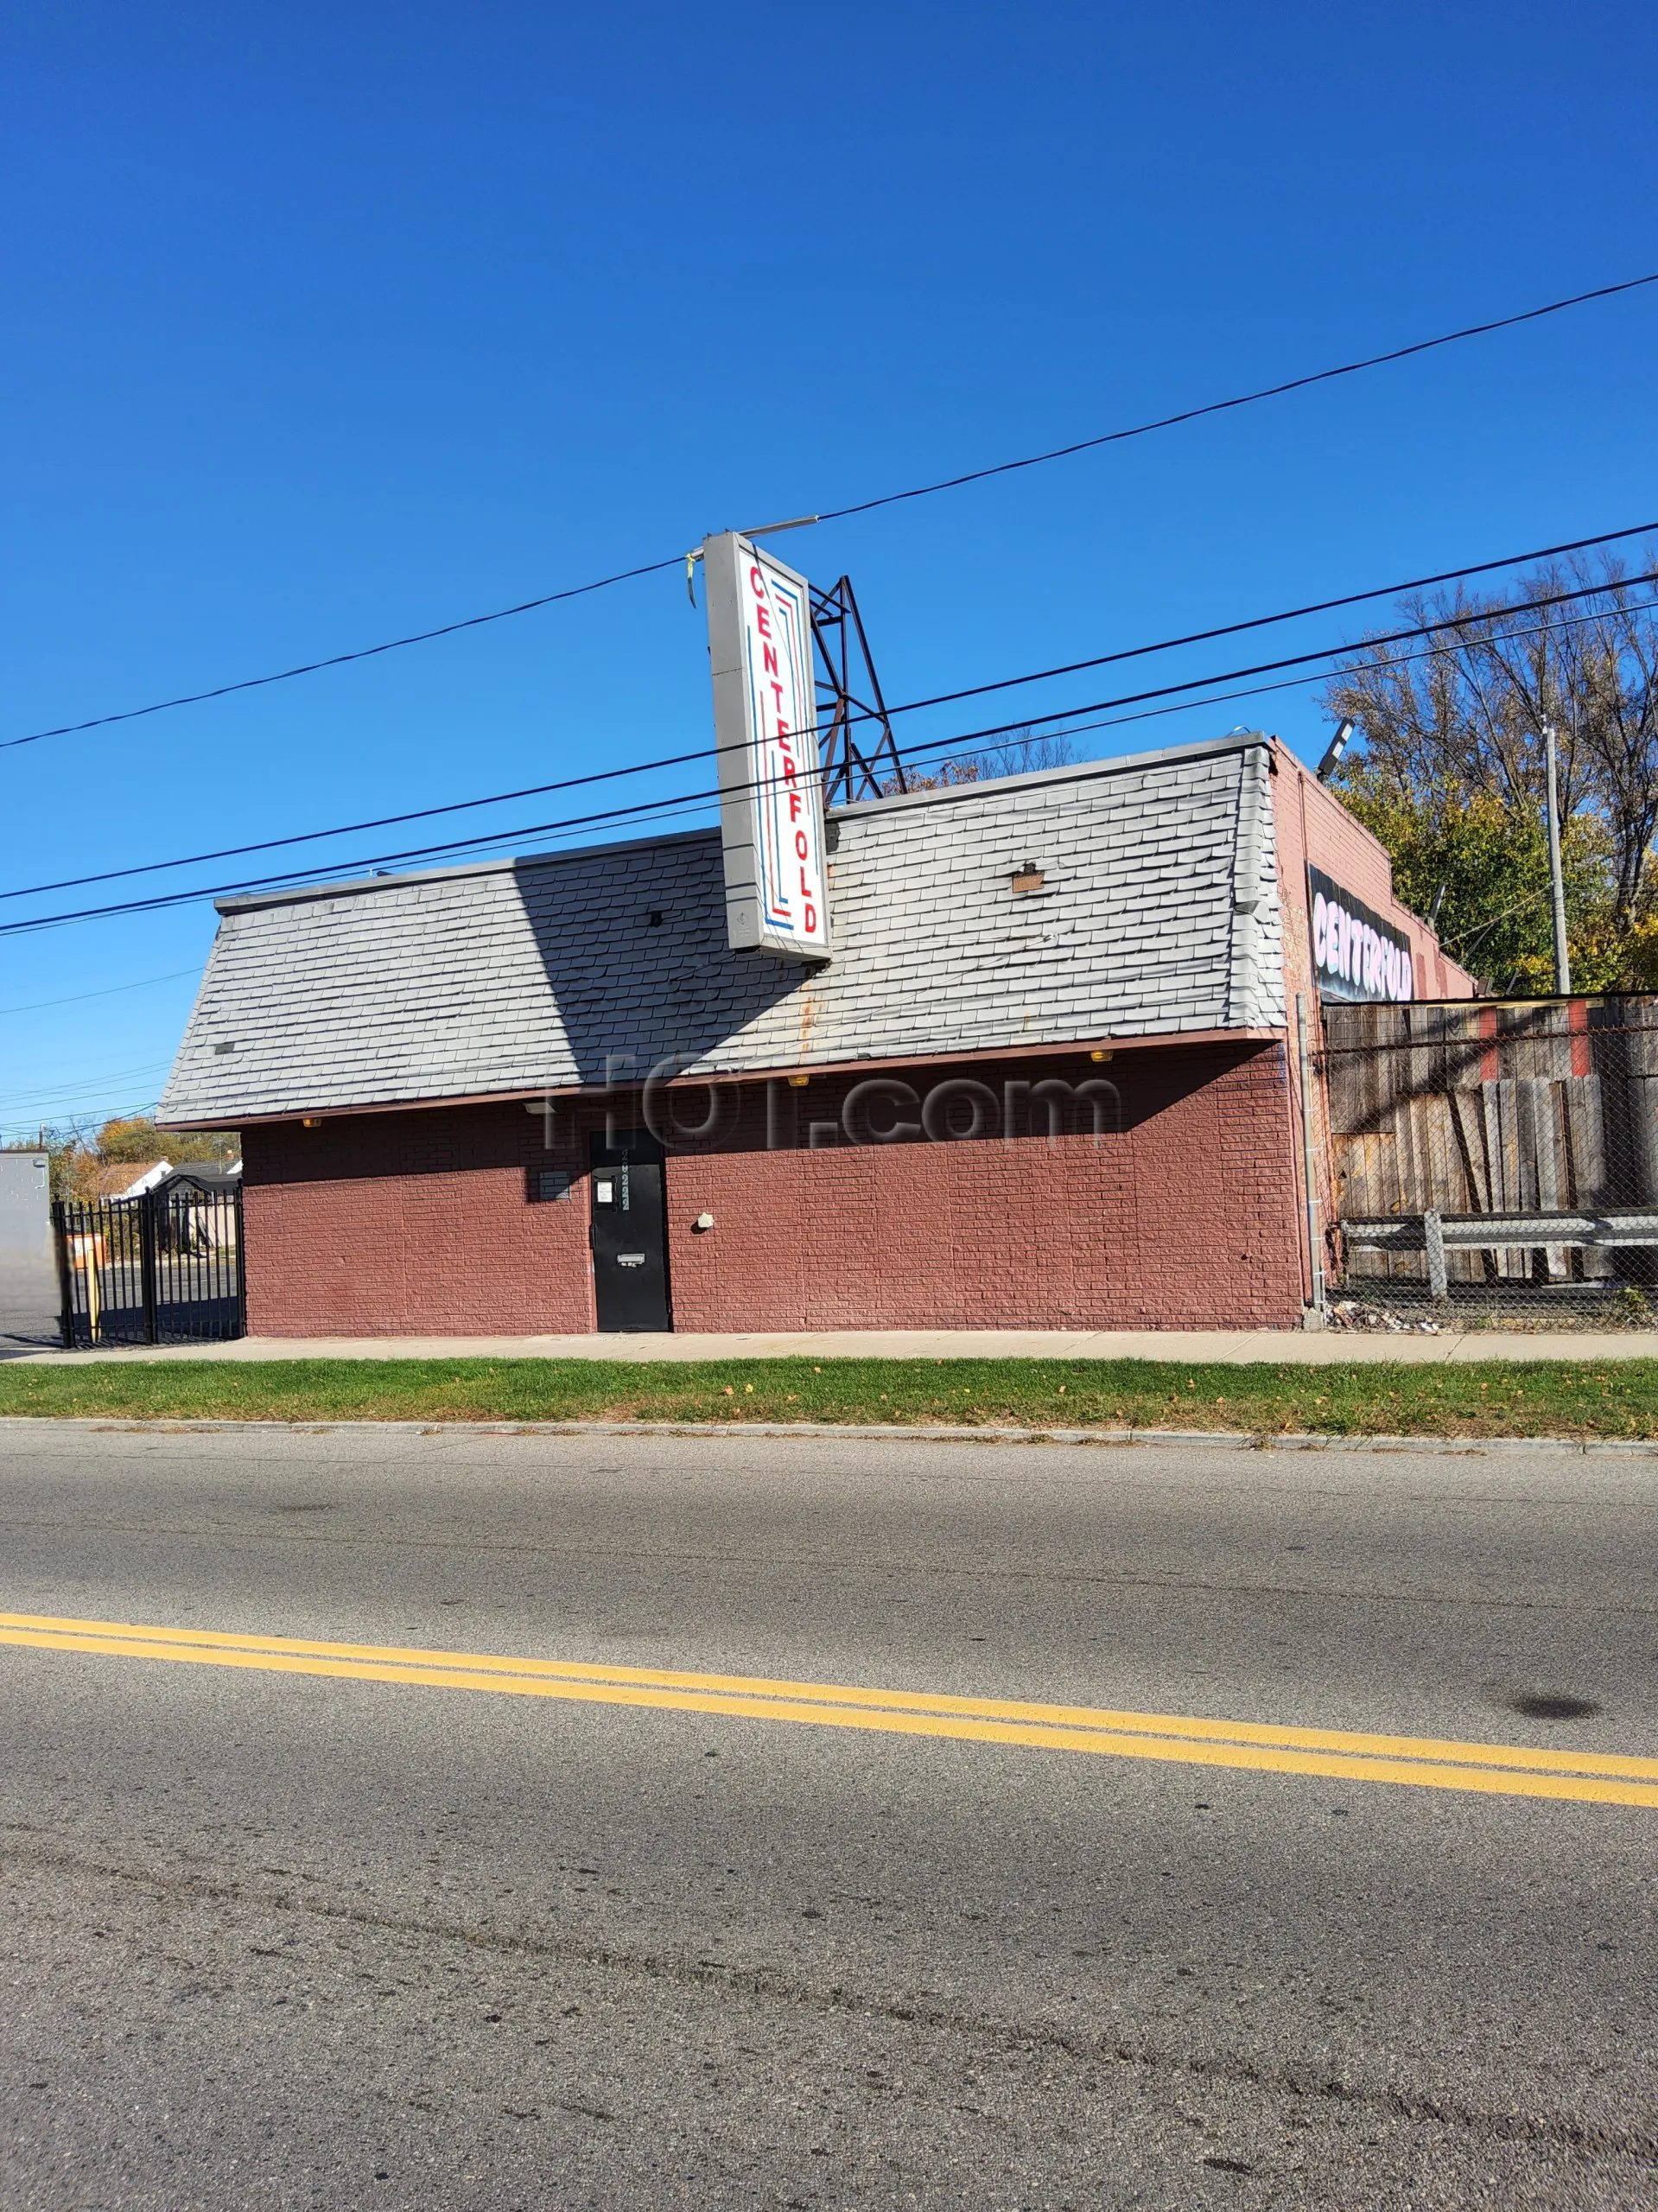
x=1158, y=913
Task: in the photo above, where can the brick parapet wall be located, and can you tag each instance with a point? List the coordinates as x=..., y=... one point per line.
x=1184, y=1216
x=1314, y=827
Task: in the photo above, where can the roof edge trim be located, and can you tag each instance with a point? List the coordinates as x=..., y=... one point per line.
x=1151, y=1041
x=1074, y=771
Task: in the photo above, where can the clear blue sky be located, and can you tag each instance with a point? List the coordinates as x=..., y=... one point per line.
x=325, y=323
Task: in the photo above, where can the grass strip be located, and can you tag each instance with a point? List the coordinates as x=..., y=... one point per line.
x=1556, y=1397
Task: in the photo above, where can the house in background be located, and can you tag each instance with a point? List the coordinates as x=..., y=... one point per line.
x=136, y=1178
x=119, y=1179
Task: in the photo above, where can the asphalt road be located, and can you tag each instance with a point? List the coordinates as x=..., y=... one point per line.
x=278, y=1938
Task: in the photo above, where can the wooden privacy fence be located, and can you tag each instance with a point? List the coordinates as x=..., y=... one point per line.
x=1454, y=1126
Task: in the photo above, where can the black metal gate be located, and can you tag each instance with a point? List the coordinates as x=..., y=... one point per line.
x=163, y=1268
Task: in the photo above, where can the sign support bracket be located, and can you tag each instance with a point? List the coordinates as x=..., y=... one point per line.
x=852, y=768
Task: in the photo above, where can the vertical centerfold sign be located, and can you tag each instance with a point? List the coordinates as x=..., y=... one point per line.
x=766, y=730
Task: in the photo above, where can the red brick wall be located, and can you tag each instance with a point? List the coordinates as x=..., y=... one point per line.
x=395, y=1224
x=1313, y=825
x=1181, y=1216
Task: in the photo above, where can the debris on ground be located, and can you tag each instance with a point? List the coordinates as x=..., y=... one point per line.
x=1351, y=1313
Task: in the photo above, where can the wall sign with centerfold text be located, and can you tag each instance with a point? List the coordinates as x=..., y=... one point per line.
x=1356, y=956
x=766, y=730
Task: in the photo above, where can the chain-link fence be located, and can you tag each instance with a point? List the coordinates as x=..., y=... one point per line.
x=1494, y=1163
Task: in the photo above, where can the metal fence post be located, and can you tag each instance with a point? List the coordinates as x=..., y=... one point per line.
x=1434, y=1238
x=241, y=1267
x=65, y=1280
x=147, y=1243
x=1315, y=1261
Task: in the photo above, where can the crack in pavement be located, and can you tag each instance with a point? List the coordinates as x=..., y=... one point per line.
x=872, y=1567
x=1554, y=2130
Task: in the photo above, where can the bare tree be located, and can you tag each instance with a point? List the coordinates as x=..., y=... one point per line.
x=1464, y=719
x=1020, y=752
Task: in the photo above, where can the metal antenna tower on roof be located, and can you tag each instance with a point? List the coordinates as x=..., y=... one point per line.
x=861, y=760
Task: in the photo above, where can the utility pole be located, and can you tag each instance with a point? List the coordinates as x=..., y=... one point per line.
x=1556, y=880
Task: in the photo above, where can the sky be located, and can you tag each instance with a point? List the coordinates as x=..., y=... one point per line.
x=330, y=323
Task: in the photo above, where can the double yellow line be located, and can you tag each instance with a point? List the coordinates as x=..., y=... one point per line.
x=1503, y=1769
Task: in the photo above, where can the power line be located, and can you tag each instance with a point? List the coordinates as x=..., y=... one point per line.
x=998, y=736
x=859, y=507
x=701, y=799
x=340, y=660
x=1470, y=938
x=1244, y=399
x=1460, y=621
x=1321, y=607
x=66, y=1095
x=353, y=868
x=39, y=1005
x=379, y=822
x=618, y=814
x=82, y=1113
x=1295, y=683
x=79, y=1115
x=912, y=706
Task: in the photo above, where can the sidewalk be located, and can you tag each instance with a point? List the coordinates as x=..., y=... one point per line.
x=1235, y=1347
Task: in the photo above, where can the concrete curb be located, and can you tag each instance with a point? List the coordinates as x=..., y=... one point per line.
x=894, y=1433
x=1224, y=1347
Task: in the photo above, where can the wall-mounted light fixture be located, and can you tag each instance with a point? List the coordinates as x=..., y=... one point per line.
x=1334, y=750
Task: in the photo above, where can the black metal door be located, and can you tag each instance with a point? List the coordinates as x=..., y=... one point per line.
x=628, y=1232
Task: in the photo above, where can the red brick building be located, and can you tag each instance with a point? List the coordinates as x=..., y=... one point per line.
x=1051, y=1076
